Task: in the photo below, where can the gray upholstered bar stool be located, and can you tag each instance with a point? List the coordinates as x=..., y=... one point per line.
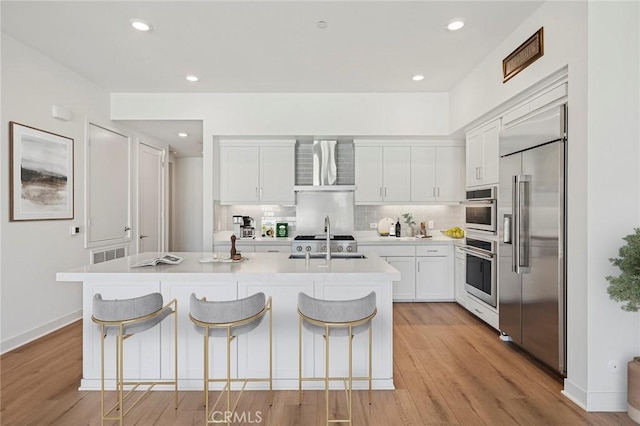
x=230, y=319
x=335, y=318
x=124, y=318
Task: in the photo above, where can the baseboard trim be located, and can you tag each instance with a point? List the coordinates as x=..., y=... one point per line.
x=38, y=332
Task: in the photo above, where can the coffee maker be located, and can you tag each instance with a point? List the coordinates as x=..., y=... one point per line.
x=248, y=227
x=244, y=227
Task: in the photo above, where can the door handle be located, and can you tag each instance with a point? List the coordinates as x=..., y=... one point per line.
x=143, y=236
x=520, y=263
x=126, y=229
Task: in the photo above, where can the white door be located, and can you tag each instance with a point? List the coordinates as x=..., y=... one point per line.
x=150, y=210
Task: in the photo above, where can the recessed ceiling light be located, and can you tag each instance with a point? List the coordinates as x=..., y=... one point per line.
x=183, y=134
x=455, y=25
x=192, y=78
x=322, y=24
x=140, y=25
x=417, y=77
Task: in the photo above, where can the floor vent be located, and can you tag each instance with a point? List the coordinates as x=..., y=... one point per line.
x=108, y=254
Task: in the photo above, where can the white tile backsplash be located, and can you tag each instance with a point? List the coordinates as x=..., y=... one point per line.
x=443, y=216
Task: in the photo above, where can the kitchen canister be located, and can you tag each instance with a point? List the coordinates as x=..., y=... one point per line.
x=282, y=229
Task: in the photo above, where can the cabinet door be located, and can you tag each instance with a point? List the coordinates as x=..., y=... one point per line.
x=405, y=289
x=396, y=174
x=449, y=172
x=460, y=277
x=277, y=174
x=368, y=174
x=433, y=280
x=239, y=174
x=253, y=348
x=423, y=173
x=474, y=158
x=490, y=153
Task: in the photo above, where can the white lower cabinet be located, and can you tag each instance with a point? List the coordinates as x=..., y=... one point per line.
x=434, y=273
x=460, y=270
x=482, y=311
x=405, y=289
x=427, y=271
x=253, y=348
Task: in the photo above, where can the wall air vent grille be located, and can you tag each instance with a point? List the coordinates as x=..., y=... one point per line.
x=103, y=255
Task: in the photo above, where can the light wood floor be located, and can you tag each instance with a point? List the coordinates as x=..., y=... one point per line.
x=449, y=369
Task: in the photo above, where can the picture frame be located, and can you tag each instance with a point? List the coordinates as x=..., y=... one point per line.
x=41, y=174
x=526, y=54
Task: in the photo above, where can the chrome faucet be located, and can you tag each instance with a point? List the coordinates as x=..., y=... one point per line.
x=327, y=228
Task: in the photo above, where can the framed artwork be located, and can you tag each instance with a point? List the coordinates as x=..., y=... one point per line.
x=526, y=54
x=41, y=174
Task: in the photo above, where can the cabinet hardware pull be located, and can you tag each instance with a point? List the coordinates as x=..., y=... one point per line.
x=385, y=192
x=478, y=311
x=126, y=228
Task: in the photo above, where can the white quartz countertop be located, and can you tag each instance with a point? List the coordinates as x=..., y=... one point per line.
x=256, y=266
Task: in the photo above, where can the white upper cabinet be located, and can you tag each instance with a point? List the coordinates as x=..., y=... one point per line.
x=437, y=173
x=382, y=174
x=407, y=171
x=261, y=171
x=482, y=154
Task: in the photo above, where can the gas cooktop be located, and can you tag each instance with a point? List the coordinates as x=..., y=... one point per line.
x=318, y=243
x=324, y=237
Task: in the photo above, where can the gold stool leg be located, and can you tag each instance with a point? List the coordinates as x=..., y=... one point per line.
x=299, y=361
x=175, y=354
x=270, y=354
x=206, y=374
x=228, y=373
x=326, y=374
x=370, y=362
x=350, y=370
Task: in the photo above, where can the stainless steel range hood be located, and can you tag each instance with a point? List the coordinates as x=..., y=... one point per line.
x=324, y=168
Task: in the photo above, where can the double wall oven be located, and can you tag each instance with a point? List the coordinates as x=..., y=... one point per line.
x=481, y=245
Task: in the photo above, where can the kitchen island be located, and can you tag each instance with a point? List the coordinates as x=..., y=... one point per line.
x=150, y=356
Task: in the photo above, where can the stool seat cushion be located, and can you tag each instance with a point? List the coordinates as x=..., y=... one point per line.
x=130, y=309
x=337, y=311
x=227, y=311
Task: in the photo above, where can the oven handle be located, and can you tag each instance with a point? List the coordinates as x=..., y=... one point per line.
x=478, y=201
x=477, y=253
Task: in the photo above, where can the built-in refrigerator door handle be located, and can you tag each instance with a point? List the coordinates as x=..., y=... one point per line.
x=520, y=263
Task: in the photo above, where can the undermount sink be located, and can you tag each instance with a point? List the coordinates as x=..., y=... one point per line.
x=333, y=256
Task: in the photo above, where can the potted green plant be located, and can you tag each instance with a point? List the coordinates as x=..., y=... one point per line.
x=408, y=219
x=626, y=288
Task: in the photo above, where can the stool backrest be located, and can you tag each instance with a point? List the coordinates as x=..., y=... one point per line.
x=337, y=310
x=126, y=309
x=221, y=312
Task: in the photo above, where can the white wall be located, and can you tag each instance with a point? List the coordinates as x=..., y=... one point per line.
x=32, y=303
x=603, y=182
x=613, y=185
x=188, y=205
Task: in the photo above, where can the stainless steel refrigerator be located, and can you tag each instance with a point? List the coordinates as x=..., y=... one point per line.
x=531, y=231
